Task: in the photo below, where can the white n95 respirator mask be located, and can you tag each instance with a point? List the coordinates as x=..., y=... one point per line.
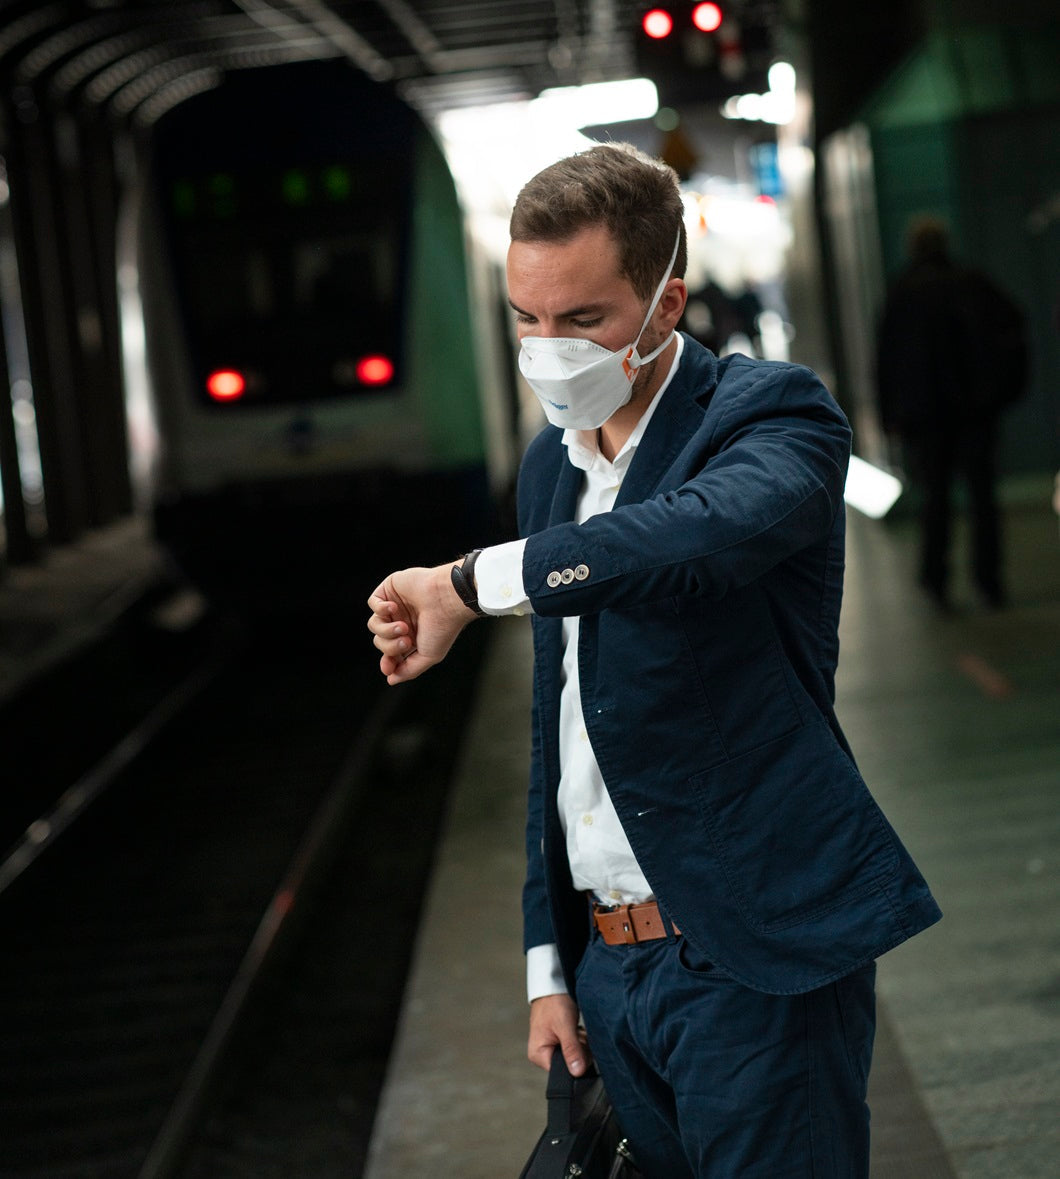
x=581, y=384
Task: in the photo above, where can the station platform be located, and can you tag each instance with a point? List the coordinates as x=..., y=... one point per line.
x=955, y=720
x=52, y=606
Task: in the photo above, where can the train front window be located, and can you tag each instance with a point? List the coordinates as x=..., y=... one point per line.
x=292, y=278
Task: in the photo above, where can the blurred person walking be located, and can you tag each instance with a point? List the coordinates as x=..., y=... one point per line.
x=951, y=356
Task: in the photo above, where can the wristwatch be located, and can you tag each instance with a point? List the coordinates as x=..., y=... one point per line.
x=463, y=576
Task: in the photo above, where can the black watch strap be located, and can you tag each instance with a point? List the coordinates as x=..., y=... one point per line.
x=463, y=576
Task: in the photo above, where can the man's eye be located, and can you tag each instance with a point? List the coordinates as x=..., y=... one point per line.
x=586, y=323
x=524, y=319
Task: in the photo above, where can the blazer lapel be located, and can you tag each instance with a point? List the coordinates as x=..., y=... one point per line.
x=565, y=497
x=676, y=418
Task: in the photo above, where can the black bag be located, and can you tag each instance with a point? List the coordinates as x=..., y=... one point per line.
x=582, y=1139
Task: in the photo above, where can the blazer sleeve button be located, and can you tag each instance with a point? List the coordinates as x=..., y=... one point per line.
x=567, y=576
x=581, y=572
x=554, y=578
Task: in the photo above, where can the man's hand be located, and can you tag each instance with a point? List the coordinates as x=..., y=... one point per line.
x=416, y=617
x=554, y=1020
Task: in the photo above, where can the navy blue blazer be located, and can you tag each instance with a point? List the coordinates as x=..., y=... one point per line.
x=709, y=601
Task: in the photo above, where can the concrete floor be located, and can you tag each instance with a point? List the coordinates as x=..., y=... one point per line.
x=956, y=724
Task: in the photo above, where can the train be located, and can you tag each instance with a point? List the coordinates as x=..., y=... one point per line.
x=330, y=363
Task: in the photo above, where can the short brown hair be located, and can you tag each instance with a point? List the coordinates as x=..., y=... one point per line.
x=638, y=198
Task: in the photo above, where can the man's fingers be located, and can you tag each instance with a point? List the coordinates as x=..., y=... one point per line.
x=541, y=1047
x=574, y=1053
x=542, y=1056
x=378, y=604
x=554, y=1021
x=576, y=1056
x=400, y=671
x=391, y=639
x=382, y=617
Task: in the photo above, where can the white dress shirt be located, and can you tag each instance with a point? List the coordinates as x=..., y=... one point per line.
x=601, y=859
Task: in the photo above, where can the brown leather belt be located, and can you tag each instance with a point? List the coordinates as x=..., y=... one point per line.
x=625, y=925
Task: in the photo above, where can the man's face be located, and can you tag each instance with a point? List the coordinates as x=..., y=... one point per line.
x=574, y=289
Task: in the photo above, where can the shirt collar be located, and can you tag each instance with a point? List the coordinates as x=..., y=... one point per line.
x=583, y=449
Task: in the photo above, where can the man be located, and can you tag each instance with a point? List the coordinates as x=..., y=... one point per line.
x=709, y=882
x=940, y=399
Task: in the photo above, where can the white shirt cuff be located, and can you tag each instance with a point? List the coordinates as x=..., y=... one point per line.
x=544, y=975
x=499, y=579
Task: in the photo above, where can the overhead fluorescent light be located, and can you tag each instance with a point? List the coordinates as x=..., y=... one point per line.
x=600, y=102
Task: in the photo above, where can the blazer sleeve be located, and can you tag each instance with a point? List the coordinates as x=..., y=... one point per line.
x=760, y=479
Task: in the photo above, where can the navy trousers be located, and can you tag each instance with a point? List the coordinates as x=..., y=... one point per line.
x=712, y=1080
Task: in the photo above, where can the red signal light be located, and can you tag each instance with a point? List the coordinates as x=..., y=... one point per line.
x=225, y=384
x=706, y=17
x=657, y=23
x=375, y=370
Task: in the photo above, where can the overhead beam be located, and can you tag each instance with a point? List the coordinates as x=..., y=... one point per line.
x=321, y=18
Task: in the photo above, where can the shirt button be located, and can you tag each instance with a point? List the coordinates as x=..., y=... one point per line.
x=615, y=895
x=581, y=572
x=506, y=591
x=554, y=578
x=567, y=576
x=584, y=735
x=587, y=820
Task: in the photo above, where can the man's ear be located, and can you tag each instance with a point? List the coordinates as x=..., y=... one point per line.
x=672, y=304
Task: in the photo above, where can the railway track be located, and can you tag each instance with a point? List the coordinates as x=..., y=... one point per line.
x=202, y=975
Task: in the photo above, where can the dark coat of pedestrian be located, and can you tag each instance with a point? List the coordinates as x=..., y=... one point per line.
x=952, y=355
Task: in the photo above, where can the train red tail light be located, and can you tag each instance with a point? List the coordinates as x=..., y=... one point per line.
x=707, y=17
x=657, y=23
x=375, y=370
x=225, y=384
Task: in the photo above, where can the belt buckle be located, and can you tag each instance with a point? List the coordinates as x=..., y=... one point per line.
x=622, y=912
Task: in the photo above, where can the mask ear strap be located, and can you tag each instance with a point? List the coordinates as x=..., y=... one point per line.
x=656, y=351
x=660, y=288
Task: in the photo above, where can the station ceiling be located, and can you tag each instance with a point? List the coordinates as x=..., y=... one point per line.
x=134, y=59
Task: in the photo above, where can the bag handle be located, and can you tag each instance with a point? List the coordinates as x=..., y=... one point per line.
x=560, y=1094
